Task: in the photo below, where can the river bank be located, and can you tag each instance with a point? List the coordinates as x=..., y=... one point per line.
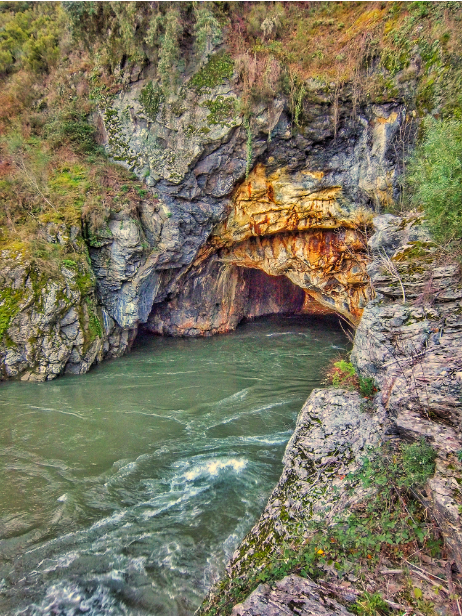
x=408, y=341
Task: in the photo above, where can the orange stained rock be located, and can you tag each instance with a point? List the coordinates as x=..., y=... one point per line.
x=270, y=203
x=292, y=225
x=312, y=260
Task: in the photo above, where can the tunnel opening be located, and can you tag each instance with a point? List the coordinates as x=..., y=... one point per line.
x=215, y=297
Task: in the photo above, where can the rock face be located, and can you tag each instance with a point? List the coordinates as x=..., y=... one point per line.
x=292, y=595
x=215, y=297
x=50, y=324
x=297, y=213
x=413, y=350
x=302, y=187
x=332, y=436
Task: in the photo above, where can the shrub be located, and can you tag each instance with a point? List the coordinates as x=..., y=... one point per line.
x=29, y=36
x=208, y=32
x=434, y=178
x=367, y=386
x=219, y=68
x=342, y=374
x=71, y=125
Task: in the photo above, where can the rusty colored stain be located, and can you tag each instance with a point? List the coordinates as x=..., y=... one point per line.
x=250, y=190
x=270, y=193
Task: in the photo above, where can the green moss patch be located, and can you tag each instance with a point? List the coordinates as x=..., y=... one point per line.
x=222, y=110
x=10, y=301
x=215, y=72
x=151, y=97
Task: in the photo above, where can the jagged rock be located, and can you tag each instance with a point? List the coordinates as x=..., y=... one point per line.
x=51, y=325
x=292, y=595
x=193, y=163
x=413, y=351
x=215, y=297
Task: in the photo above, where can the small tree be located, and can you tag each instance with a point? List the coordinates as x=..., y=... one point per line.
x=208, y=32
x=434, y=178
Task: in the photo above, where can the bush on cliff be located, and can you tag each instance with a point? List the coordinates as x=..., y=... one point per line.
x=434, y=178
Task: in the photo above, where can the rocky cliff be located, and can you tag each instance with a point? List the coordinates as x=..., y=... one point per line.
x=408, y=341
x=303, y=197
x=222, y=198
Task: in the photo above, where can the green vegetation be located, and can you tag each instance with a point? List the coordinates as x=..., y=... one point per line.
x=29, y=36
x=221, y=110
x=389, y=522
x=9, y=307
x=151, y=97
x=434, y=178
x=342, y=373
x=218, y=68
x=207, y=29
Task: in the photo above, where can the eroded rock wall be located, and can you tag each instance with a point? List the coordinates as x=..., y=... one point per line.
x=412, y=348
x=51, y=322
x=193, y=151
x=215, y=297
x=313, y=178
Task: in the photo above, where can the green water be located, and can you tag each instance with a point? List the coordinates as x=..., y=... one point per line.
x=126, y=490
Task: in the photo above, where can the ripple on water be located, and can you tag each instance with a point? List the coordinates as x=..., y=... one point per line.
x=125, y=490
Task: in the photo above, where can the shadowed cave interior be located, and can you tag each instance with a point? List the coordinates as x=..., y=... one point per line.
x=219, y=296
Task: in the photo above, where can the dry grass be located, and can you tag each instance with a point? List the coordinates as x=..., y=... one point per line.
x=364, y=44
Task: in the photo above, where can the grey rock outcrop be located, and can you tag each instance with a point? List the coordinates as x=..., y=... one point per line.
x=332, y=436
x=192, y=150
x=292, y=595
x=413, y=351
x=193, y=158
x=51, y=324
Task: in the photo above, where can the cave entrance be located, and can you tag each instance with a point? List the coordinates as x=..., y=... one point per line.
x=215, y=297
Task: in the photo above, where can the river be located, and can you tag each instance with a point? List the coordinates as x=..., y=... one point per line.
x=124, y=491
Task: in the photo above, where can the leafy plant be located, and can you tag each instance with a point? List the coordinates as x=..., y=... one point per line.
x=367, y=386
x=434, y=177
x=371, y=604
x=342, y=374
x=169, y=54
x=208, y=32
x=29, y=36
x=71, y=125
x=219, y=67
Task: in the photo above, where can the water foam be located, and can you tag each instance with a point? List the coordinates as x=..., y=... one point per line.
x=212, y=468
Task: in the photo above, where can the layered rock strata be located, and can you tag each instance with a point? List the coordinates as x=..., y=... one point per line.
x=412, y=349
x=313, y=180
x=293, y=595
